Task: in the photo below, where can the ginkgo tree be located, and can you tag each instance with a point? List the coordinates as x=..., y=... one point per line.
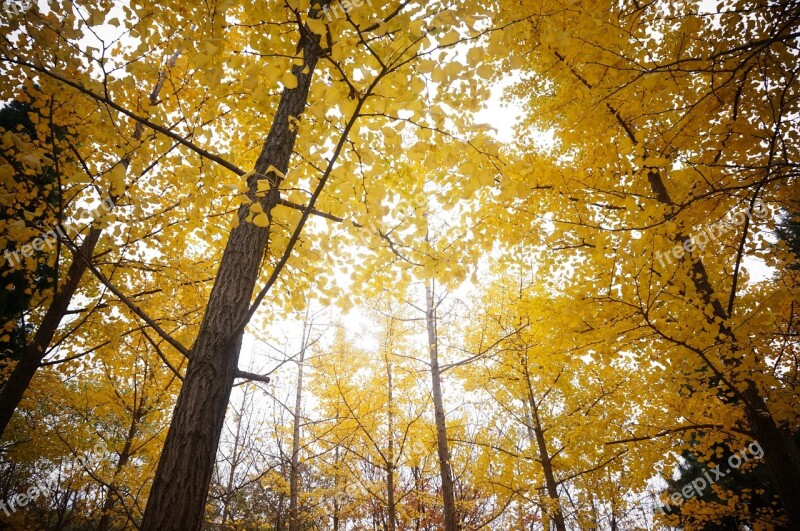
x=694, y=107
x=561, y=404
x=266, y=158
x=363, y=81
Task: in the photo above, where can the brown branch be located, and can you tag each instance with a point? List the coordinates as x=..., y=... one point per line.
x=144, y=121
x=680, y=429
x=251, y=376
x=121, y=296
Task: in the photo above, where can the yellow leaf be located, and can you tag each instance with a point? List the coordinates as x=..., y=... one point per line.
x=316, y=25
x=261, y=220
x=263, y=186
x=289, y=81
x=117, y=177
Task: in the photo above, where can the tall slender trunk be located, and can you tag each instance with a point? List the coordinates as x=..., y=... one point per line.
x=390, y=464
x=335, y=517
x=12, y=392
x=180, y=487
x=537, y=435
x=419, y=489
x=445, y=470
x=336, y=503
x=294, y=468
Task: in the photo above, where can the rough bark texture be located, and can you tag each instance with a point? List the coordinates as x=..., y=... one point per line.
x=446, y=472
x=180, y=487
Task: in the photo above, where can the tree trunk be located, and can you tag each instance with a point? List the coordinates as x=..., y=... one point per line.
x=419, y=489
x=544, y=456
x=781, y=454
x=336, y=504
x=180, y=487
x=390, y=465
x=294, y=469
x=448, y=497
x=12, y=392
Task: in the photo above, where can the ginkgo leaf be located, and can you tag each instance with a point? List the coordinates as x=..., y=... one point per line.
x=289, y=80
x=261, y=220
x=263, y=185
x=317, y=26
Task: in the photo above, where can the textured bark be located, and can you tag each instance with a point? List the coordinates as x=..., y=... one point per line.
x=445, y=470
x=180, y=487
